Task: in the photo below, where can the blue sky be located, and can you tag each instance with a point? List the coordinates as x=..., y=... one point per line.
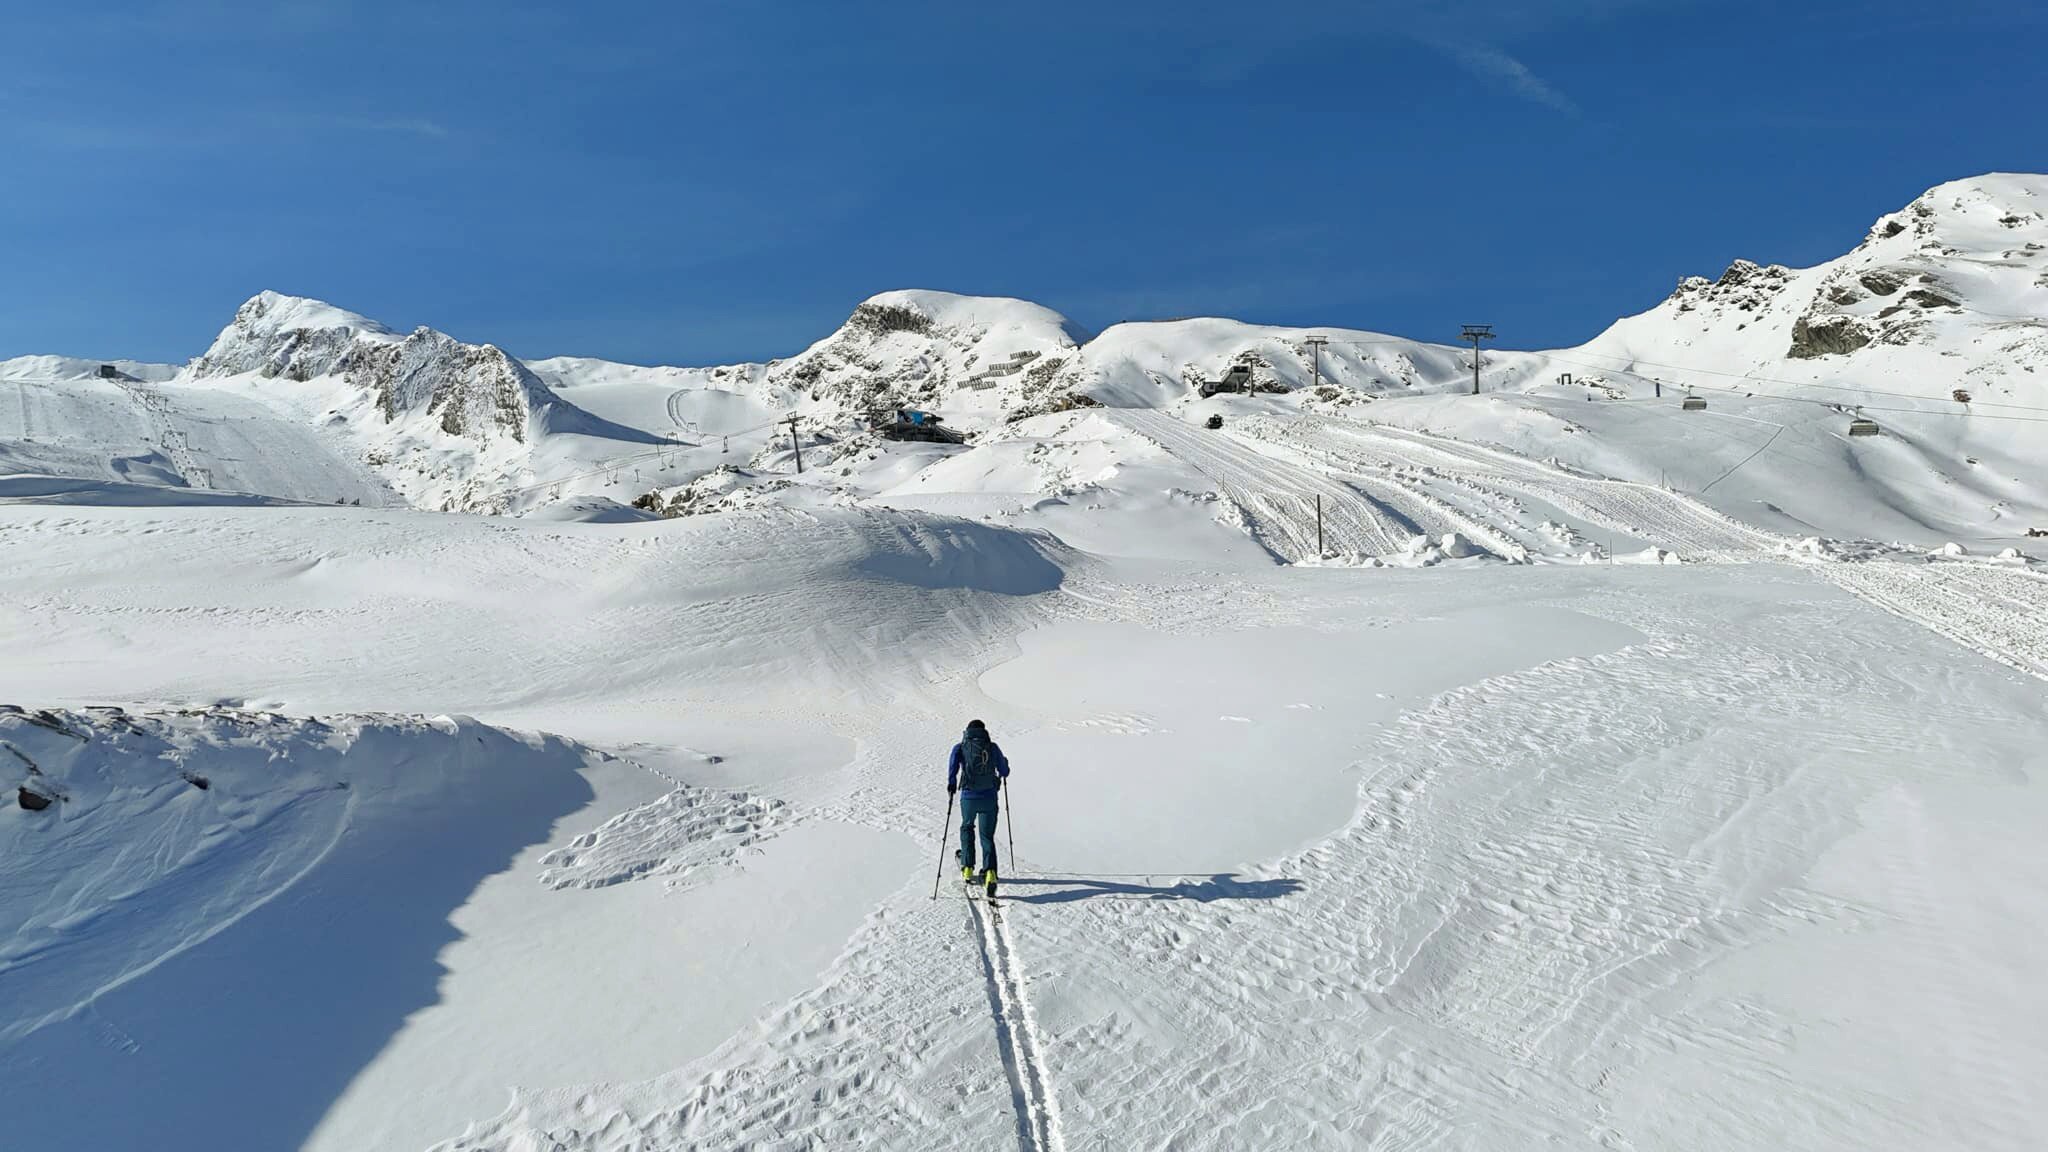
x=702, y=182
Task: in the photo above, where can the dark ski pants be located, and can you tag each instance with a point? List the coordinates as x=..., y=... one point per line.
x=979, y=810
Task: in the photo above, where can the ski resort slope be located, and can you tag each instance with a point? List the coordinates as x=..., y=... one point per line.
x=1481, y=856
x=1928, y=335
x=184, y=442
x=1562, y=766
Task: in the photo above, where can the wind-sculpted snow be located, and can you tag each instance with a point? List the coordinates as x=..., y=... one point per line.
x=682, y=833
x=1656, y=812
x=223, y=914
x=931, y=552
x=116, y=494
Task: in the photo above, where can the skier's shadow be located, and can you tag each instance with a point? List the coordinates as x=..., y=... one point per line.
x=1222, y=886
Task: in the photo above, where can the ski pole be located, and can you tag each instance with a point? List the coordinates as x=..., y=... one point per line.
x=941, y=873
x=1010, y=824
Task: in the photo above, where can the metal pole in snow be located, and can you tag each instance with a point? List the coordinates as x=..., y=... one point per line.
x=1475, y=333
x=1009, y=825
x=1319, y=527
x=941, y=873
x=799, y=448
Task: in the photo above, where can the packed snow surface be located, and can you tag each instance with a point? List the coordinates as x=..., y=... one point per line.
x=1393, y=768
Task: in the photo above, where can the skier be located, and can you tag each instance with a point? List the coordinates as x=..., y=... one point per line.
x=976, y=770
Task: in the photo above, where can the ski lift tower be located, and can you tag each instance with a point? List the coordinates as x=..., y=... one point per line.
x=1473, y=334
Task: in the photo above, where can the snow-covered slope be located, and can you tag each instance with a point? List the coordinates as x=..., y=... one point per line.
x=981, y=360
x=452, y=425
x=1935, y=328
x=1949, y=292
x=1304, y=857
x=165, y=441
x=232, y=855
x=302, y=400
x=74, y=368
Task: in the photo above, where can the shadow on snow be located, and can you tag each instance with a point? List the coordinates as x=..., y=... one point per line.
x=1223, y=886
x=248, y=1038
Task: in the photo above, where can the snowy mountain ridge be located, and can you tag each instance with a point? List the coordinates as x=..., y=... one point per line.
x=1949, y=292
x=1650, y=817
x=474, y=389
x=1938, y=307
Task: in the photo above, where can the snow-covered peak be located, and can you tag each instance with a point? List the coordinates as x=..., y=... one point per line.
x=451, y=424
x=1150, y=363
x=1943, y=299
x=1983, y=214
x=995, y=316
x=291, y=336
x=930, y=349
x=279, y=312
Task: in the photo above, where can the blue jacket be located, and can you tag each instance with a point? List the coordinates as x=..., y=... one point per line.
x=953, y=765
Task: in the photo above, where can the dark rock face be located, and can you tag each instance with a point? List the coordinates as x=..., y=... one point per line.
x=1745, y=286
x=31, y=799
x=1814, y=336
x=879, y=318
x=476, y=388
x=1927, y=298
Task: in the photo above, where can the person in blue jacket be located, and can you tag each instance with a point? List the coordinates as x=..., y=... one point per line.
x=976, y=771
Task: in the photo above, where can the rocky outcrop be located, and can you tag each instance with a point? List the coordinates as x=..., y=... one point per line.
x=474, y=390
x=1745, y=286
x=1831, y=335
x=1924, y=298
x=931, y=349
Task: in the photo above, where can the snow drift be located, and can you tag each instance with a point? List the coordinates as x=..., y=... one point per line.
x=161, y=888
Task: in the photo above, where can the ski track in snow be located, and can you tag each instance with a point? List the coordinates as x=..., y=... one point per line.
x=1488, y=955
x=1277, y=499
x=1693, y=530
x=1023, y=1054
x=1502, y=906
x=176, y=445
x=1989, y=608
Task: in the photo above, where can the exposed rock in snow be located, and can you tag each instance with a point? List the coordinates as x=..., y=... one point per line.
x=1826, y=335
x=473, y=390
x=1946, y=295
x=451, y=425
x=1941, y=304
x=933, y=350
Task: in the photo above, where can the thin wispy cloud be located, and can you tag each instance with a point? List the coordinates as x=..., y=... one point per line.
x=1493, y=64
x=401, y=126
